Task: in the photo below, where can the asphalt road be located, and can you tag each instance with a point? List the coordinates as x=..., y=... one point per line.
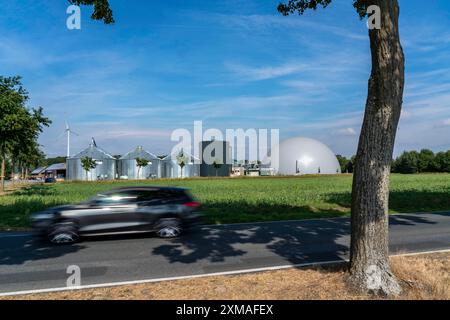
x=29, y=264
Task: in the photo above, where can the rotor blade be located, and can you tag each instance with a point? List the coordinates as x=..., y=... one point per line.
x=60, y=135
x=73, y=132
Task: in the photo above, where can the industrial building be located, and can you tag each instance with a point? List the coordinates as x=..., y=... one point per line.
x=216, y=159
x=127, y=166
x=296, y=156
x=105, y=165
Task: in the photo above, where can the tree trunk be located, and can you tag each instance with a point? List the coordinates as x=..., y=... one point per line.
x=3, y=174
x=369, y=251
x=12, y=171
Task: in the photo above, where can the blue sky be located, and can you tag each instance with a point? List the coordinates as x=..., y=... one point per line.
x=232, y=64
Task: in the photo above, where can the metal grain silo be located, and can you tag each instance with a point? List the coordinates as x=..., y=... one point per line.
x=128, y=169
x=171, y=169
x=105, y=165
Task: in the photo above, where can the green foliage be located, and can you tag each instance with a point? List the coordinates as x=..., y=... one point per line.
x=140, y=162
x=346, y=164
x=246, y=199
x=182, y=159
x=50, y=161
x=442, y=161
x=102, y=10
x=88, y=164
x=19, y=126
x=217, y=164
x=300, y=6
x=423, y=161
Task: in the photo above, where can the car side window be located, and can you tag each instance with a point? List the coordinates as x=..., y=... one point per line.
x=116, y=199
x=147, y=195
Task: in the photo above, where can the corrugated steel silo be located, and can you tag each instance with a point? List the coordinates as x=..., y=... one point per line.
x=105, y=165
x=128, y=168
x=171, y=169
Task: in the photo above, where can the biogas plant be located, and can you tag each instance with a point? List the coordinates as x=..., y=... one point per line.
x=296, y=156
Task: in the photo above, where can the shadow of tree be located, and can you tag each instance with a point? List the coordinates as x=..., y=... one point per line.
x=235, y=211
x=403, y=201
x=295, y=242
x=16, y=250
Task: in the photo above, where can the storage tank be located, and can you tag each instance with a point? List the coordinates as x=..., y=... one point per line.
x=105, y=165
x=301, y=155
x=171, y=169
x=128, y=167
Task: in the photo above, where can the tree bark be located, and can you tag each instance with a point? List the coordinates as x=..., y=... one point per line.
x=3, y=174
x=12, y=171
x=369, y=251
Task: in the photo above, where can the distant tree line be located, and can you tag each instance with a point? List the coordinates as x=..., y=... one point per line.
x=424, y=160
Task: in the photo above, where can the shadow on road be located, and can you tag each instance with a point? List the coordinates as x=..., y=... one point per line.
x=18, y=250
x=294, y=242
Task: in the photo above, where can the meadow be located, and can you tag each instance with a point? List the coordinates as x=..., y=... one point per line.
x=246, y=199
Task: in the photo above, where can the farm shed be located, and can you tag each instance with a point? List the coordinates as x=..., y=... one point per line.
x=57, y=171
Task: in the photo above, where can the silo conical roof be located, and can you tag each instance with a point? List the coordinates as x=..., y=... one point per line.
x=139, y=152
x=93, y=152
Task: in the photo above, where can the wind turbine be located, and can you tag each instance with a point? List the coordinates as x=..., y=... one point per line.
x=68, y=132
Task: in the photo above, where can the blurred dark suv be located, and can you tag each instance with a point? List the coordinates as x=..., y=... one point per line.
x=164, y=210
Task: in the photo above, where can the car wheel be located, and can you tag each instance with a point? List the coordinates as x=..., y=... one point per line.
x=169, y=228
x=63, y=235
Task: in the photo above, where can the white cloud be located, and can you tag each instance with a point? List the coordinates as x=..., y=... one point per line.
x=347, y=132
x=264, y=73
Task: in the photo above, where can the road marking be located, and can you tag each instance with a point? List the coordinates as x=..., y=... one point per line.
x=223, y=273
x=419, y=253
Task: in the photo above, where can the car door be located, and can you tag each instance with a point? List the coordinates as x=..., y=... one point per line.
x=115, y=212
x=154, y=205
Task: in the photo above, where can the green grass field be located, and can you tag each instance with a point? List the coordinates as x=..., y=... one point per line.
x=231, y=200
